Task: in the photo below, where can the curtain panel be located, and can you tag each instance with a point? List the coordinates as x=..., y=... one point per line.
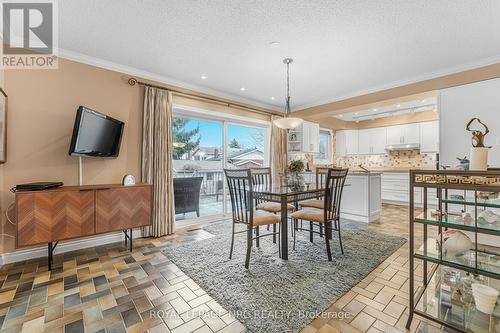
x=278, y=151
x=157, y=165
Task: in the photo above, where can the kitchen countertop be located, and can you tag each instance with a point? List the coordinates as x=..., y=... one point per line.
x=362, y=173
x=352, y=172
x=378, y=170
x=382, y=170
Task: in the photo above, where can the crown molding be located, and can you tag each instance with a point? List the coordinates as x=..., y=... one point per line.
x=109, y=65
x=116, y=67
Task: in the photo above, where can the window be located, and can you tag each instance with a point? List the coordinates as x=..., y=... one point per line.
x=245, y=146
x=325, y=147
x=204, y=146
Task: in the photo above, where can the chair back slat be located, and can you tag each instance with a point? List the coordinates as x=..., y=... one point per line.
x=239, y=183
x=261, y=176
x=335, y=181
x=321, y=176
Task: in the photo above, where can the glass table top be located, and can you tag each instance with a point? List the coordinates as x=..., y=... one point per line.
x=288, y=189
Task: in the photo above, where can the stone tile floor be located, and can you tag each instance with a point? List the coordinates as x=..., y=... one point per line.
x=107, y=289
x=378, y=303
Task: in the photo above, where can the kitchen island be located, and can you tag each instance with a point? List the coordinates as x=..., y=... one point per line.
x=361, y=198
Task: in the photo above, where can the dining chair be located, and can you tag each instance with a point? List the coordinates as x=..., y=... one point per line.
x=262, y=176
x=321, y=176
x=318, y=202
x=329, y=215
x=239, y=183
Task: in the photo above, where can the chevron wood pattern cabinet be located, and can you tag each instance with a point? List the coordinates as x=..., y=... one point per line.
x=46, y=217
x=122, y=208
x=76, y=211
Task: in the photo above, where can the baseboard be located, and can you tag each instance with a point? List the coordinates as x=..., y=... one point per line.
x=354, y=217
x=66, y=246
x=360, y=218
x=407, y=204
x=394, y=202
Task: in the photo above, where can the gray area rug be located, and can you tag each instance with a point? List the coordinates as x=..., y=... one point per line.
x=276, y=295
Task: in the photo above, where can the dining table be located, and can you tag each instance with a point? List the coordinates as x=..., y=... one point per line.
x=287, y=194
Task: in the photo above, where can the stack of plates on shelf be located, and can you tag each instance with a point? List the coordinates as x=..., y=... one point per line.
x=485, y=297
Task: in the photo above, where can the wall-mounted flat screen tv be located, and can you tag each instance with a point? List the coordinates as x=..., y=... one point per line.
x=95, y=134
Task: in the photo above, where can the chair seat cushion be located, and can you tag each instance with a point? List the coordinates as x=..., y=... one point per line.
x=262, y=218
x=273, y=207
x=312, y=214
x=313, y=203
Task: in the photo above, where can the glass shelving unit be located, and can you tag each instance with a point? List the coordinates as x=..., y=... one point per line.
x=443, y=292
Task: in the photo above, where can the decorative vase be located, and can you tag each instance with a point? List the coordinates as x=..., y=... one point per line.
x=296, y=178
x=485, y=297
x=478, y=159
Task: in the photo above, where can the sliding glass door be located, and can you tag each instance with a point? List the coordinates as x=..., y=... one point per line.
x=203, y=147
x=198, y=163
x=246, y=148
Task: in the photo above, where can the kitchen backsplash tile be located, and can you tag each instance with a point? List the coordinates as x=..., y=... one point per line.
x=395, y=159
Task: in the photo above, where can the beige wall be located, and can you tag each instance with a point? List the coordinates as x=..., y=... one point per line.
x=418, y=117
x=42, y=107
x=408, y=118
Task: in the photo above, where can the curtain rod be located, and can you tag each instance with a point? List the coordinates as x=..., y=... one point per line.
x=133, y=81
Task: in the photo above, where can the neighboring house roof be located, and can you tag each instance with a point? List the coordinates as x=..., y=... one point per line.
x=244, y=152
x=238, y=153
x=205, y=151
x=237, y=156
x=246, y=163
x=185, y=166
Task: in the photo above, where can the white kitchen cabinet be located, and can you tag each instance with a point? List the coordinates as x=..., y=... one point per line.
x=361, y=197
x=351, y=142
x=364, y=143
x=379, y=137
x=429, y=137
x=340, y=147
x=372, y=140
x=409, y=133
x=304, y=138
x=311, y=139
x=394, y=135
x=396, y=190
x=346, y=142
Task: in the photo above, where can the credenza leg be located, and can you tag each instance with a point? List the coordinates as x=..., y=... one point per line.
x=50, y=256
x=128, y=238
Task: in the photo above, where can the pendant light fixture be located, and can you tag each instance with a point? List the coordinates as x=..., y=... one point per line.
x=288, y=122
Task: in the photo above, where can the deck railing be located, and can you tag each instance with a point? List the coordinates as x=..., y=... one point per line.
x=212, y=184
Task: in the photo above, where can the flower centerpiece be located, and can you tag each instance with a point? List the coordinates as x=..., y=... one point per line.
x=295, y=168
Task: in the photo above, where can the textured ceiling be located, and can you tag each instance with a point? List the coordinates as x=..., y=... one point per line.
x=340, y=48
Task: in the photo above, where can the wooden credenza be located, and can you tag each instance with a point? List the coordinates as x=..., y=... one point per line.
x=75, y=211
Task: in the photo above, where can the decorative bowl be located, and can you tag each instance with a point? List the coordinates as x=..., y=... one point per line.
x=455, y=241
